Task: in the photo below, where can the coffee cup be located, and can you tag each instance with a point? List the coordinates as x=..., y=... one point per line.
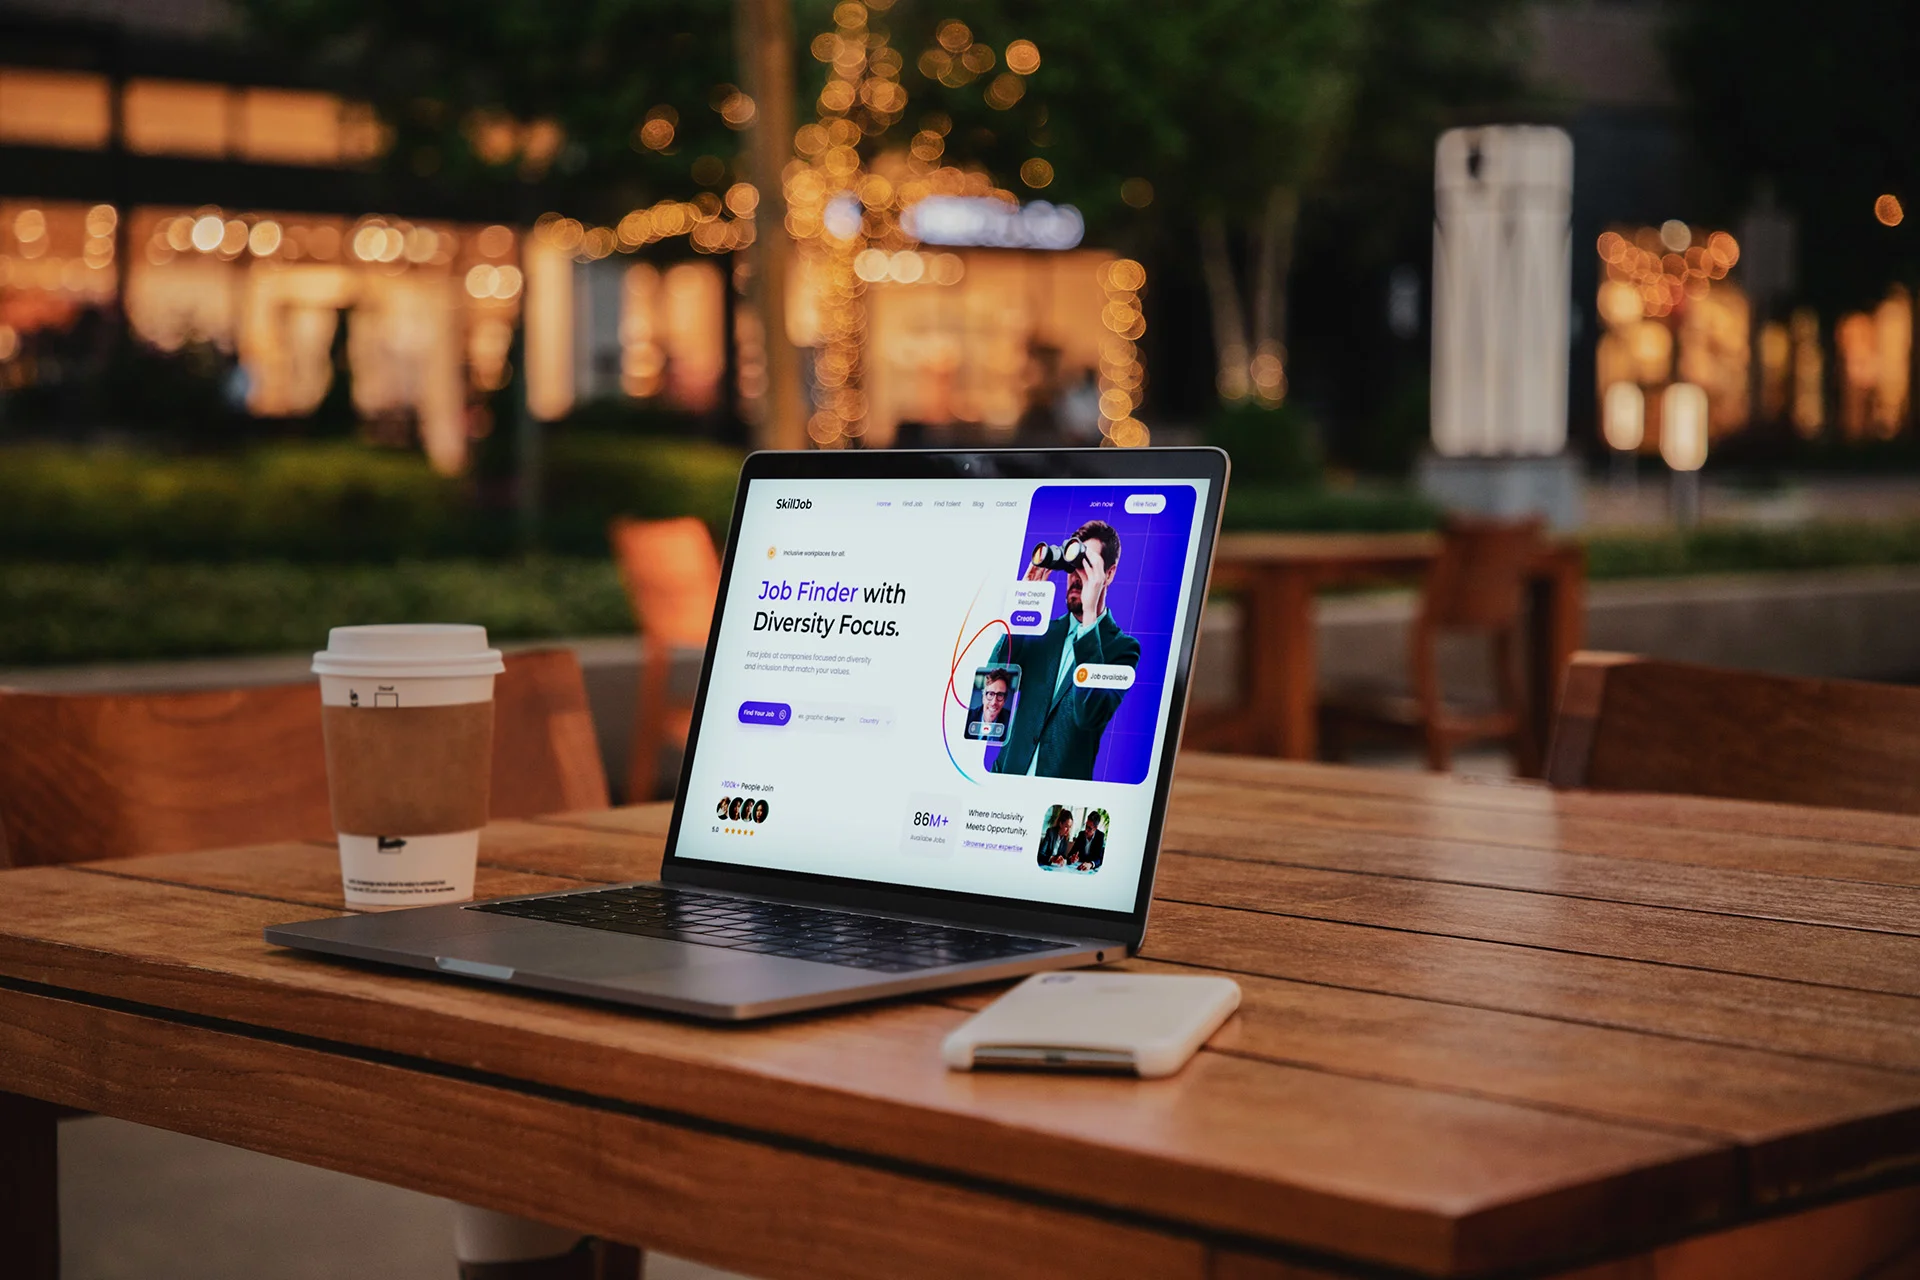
x=408, y=716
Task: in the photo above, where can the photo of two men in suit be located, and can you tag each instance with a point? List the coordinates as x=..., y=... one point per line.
x=1057, y=724
x=1073, y=844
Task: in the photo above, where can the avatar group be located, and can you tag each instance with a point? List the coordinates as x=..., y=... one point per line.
x=741, y=809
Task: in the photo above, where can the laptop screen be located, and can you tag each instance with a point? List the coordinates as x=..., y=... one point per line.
x=953, y=684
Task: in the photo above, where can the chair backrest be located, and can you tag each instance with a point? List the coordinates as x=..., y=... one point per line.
x=1632, y=724
x=87, y=776
x=546, y=757
x=672, y=576
x=1479, y=581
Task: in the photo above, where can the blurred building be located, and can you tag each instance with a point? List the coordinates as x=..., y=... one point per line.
x=152, y=169
x=1661, y=299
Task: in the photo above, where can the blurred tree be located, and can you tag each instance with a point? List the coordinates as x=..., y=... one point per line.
x=1223, y=120
x=1215, y=121
x=1215, y=115
x=532, y=91
x=1817, y=105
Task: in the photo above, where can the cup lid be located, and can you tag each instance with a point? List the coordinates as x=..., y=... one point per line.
x=408, y=649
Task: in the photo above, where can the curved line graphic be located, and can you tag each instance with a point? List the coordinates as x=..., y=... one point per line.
x=960, y=651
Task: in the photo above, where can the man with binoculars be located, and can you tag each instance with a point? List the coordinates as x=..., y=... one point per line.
x=1057, y=724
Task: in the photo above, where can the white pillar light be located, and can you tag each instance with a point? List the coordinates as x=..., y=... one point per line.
x=1502, y=264
x=1683, y=426
x=1623, y=416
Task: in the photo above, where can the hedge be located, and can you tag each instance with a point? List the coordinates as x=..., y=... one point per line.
x=336, y=502
x=59, y=613
x=1753, y=549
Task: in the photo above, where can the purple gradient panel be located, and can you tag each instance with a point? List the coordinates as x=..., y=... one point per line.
x=1144, y=600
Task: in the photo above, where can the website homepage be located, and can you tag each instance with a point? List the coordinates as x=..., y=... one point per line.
x=951, y=684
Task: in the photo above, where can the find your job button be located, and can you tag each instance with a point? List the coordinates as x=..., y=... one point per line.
x=774, y=713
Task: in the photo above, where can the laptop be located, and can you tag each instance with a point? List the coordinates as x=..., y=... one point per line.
x=932, y=745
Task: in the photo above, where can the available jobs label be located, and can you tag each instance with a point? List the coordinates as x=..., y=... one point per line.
x=928, y=825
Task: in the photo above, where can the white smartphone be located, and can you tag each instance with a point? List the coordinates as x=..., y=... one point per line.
x=1145, y=1024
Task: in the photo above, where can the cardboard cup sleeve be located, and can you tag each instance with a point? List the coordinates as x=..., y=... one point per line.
x=409, y=771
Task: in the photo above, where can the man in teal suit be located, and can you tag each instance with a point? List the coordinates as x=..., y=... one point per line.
x=1057, y=725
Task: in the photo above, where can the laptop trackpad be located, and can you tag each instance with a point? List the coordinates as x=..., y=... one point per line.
x=563, y=951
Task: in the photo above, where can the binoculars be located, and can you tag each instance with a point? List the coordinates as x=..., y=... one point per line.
x=1068, y=556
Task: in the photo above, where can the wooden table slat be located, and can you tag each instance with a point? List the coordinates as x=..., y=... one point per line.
x=1760, y=895
x=1549, y=831
x=1811, y=832
x=1863, y=1027
x=1849, y=958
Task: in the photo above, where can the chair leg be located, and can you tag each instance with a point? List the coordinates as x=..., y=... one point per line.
x=1513, y=701
x=591, y=1259
x=502, y=1246
x=649, y=726
x=1334, y=747
x=29, y=1189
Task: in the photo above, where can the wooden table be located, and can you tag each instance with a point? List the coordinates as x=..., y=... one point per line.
x=1277, y=574
x=1488, y=1029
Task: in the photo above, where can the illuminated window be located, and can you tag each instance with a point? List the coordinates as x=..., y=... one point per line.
x=54, y=108
x=287, y=127
x=173, y=117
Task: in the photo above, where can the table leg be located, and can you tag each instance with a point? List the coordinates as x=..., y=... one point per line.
x=1557, y=625
x=29, y=1189
x=1278, y=643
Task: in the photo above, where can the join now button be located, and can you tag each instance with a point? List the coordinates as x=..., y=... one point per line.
x=1096, y=675
x=774, y=713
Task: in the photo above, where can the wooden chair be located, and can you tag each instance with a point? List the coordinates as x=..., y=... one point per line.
x=90, y=776
x=1476, y=586
x=120, y=775
x=672, y=575
x=1631, y=724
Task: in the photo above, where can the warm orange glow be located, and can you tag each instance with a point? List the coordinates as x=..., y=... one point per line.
x=738, y=110
x=1683, y=427
x=1887, y=209
x=1023, y=56
x=54, y=108
x=1036, y=173
x=656, y=134
x=1006, y=90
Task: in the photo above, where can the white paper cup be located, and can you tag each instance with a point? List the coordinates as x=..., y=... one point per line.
x=409, y=748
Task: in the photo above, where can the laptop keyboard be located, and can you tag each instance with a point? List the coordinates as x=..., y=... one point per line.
x=773, y=928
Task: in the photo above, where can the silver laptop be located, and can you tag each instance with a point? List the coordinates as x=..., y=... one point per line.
x=933, y=743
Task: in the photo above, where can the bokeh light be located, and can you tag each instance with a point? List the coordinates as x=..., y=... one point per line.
x=1023, y=56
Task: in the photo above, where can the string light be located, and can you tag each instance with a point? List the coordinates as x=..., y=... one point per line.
x=1122, y=377
x=846, y=219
